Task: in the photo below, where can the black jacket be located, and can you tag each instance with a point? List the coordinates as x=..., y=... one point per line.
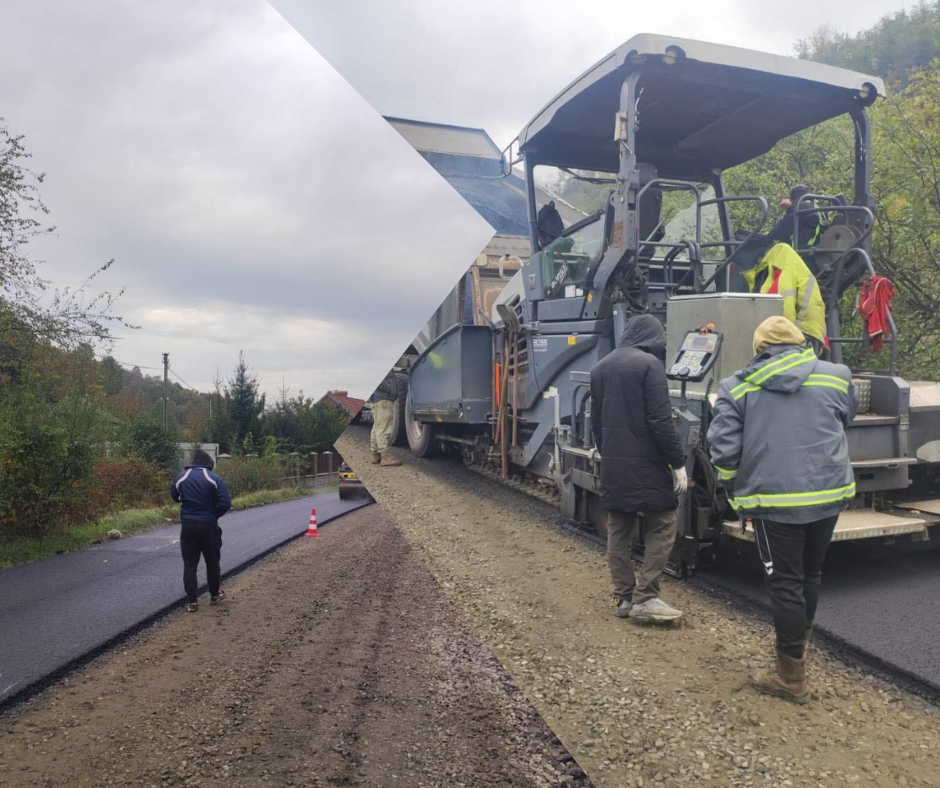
x=631, y=417
x=388, y=388
x=201, y=492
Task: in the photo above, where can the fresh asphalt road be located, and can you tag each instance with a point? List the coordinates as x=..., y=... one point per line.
x=883, y=600
x=59, y=609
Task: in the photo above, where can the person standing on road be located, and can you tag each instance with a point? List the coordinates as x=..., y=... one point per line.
x=642, y=465
x=204, y=498
x=383, y=419
x=778, y=445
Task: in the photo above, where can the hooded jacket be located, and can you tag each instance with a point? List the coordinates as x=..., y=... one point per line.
x=785, y=273
x=201, y=492
x=631, y=418
x=777, y=438
x=388, y=388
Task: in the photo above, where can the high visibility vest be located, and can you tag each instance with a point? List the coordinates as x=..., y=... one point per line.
x=788, y=275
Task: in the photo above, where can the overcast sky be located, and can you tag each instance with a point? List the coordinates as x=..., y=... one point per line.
x=494, y=64
x=252, y=199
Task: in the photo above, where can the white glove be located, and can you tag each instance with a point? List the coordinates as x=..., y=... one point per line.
x=681, y=481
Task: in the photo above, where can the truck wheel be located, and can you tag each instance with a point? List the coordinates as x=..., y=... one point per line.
x=399, y=435
x=420, y=434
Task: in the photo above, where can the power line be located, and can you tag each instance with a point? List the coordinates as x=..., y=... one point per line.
x=189, y=385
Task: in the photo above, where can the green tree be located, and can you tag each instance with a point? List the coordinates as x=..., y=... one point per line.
x=147, y=439
x=244, y=406
x=110, y=376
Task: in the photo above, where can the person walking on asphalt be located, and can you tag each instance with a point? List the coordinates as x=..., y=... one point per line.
x=778, y=445
x=383, y=415
x=642, y=465
x=204, y=498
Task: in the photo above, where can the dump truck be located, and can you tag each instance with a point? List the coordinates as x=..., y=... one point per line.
x=649, y=131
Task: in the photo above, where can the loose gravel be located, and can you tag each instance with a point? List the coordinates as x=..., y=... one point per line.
x=640, y=706
x=339, y=661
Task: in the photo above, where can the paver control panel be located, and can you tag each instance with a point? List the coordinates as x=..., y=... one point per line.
x=697, y=355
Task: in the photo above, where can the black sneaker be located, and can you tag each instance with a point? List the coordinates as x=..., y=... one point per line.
x=192, y=607
x=214, y=600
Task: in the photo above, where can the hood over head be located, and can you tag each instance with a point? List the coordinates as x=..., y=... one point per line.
x=777, y=330
x=201, y=459
x=645, y=332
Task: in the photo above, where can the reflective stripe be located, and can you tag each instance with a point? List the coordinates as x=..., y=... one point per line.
x=209, y=478
x=806, y=355
x=184, y=478
x=780, y=500
x=807, y=297
x=823, y=376
x=725, y=473
x=788, y=293
x=773, y=365
x=829, y=381
x=746, y=391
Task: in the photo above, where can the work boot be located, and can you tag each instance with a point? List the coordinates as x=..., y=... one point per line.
x=389, y=461
x=654, y=610
x=624, y=606
x=787, y=680
x=376, y=458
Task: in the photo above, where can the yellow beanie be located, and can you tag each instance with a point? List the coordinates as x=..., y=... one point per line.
x=777, y=330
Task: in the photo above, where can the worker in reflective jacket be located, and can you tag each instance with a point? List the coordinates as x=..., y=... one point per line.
x=778, y=444
x=810, y=227
x=782, y=271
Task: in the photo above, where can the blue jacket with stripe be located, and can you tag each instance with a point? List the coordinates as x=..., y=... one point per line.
x=777, y=438
x=202, y=493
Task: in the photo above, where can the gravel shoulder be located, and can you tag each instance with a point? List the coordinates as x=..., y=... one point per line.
x=640, y=706
x=337, y=661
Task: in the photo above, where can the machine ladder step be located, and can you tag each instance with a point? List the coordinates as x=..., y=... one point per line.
x=858, y=524
x=885, y=462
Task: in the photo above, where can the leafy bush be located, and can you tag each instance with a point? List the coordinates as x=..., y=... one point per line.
x=148, y=440
x=249, y=474
x=116, y=484
x=47, y=451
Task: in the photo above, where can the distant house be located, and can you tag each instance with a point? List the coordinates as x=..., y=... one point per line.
x=341, y=399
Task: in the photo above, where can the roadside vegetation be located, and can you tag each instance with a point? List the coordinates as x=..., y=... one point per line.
x=83, y=445
x=20, y=550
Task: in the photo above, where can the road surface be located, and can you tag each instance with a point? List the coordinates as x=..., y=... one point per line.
x=337, y=661
x=665, y=706
x=60, y=609
x=880, y=600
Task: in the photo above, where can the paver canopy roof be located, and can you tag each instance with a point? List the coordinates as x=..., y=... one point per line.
x=712, y=107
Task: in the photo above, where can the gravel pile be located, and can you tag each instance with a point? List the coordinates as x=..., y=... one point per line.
x=640, y=706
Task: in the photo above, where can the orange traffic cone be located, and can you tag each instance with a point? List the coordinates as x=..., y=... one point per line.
x=312, y=529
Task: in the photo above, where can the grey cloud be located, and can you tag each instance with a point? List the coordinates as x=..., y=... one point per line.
x=494, y=64
x=235, y=176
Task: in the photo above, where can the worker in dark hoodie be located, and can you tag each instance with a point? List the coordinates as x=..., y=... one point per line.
x=642, y=465
x=779, y=446
x=204, y=498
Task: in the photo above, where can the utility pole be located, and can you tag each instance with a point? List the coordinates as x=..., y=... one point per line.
x=210, y=417
x=166, y=370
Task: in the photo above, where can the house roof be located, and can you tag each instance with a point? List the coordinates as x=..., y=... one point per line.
x=341, y=399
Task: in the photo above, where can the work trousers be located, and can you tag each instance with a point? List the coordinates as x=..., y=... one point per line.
x=201, y=538
x=792, y=556
x=659, y=536
x=383, y=413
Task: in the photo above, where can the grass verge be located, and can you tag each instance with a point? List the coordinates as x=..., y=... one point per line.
x=23, y=550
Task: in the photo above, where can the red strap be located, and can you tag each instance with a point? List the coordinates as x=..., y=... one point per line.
x=775, y=286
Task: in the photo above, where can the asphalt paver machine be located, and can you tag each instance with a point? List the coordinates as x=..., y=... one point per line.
x=656, y=121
